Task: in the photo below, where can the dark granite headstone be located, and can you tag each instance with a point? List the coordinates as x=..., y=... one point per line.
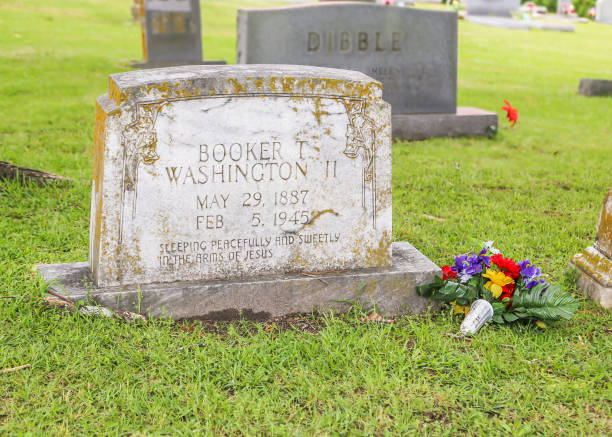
x=171, y=33
x=595, y=87
x=413, y=52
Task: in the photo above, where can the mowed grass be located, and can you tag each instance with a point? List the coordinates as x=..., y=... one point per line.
x=535, y=189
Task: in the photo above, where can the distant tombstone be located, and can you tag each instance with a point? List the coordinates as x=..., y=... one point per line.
x=135, y=9
x=603, y=11
x=595, y=263
x=563, y=5
x=171, y=33
x=243, y=189
x=595, y=87
x=412, y=52
x=499, y=8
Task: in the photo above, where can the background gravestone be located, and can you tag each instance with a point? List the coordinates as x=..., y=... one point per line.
x=412, y=52
x=498, y=13
x=561, y=4
x=171, y=33
x=499, y=8
x=595, y=263
x=603, y=11
x=595, y=87
x=262, y=190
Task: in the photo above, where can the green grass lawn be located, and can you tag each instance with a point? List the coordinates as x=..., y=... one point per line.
x=535, y=189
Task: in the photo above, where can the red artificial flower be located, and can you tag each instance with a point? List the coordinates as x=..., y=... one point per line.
x=512, y=113
x=448, y=273
x=506, y=265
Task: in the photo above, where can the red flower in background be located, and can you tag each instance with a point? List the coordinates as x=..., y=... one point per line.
x=506, y=265
x=512, y=113
x=448, y=273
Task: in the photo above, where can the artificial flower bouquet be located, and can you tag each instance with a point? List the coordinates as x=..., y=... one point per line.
x=515, y=291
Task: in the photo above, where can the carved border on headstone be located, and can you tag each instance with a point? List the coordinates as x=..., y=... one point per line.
x=139, y=142
x=361, y=137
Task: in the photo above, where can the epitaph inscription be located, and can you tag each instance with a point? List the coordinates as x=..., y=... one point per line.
x=211, y=172
x=412, y=52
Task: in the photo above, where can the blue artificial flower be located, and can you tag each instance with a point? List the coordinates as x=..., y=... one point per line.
x=531, y=271
x=459, y=260
x=532, y=283
x=483, y=258
x=467, y=266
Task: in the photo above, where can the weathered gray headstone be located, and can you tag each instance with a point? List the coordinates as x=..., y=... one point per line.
x=595, y=87
x=603, y=11
x=412, y=52
x=171, y=33
x=500, y=8
x=261, y=189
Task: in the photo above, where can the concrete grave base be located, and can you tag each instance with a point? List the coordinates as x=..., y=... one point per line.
x=466, y=121
x=164, y=64
x=595, y=87
x=391, y=289
x=595, y=279
x=509, y=23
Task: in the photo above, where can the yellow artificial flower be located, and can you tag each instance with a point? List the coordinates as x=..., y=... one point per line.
x=497, y=280
x=459, y=309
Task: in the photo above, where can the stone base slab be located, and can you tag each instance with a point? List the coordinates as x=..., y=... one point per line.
x=595, y=275
x=593, y=289
x=509, y=23
x=467, y=121
x=164, y=64
x=392, y=290
x=595, y=87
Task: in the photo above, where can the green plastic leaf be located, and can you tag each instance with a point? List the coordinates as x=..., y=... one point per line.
x=498, y=307
x=428, y=289
x=510, y=317
x=486, y=294
x=453, y=291
x=497, y=318
x=463, y=302
x=552, y=304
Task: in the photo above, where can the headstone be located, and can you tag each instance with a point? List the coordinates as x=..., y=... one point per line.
x=563, y=6
x=595, y=87
x=171, y=33
x=499, y=8
x=412, y=52
x=603, y=11
x=595, y=263
x=259, y=189
x=509, y=23
x=135, y=9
